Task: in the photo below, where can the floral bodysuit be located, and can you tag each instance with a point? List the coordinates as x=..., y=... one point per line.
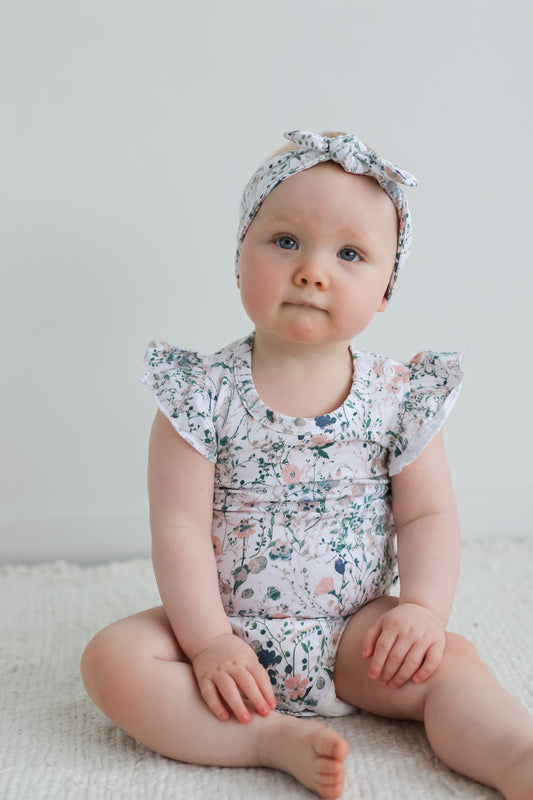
x=302, y=526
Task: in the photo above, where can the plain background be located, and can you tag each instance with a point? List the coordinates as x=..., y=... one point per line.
x=128, y=130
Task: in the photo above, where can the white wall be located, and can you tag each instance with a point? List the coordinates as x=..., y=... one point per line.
x=128, y=130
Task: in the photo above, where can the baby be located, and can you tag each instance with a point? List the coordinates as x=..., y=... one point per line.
x=289, y=473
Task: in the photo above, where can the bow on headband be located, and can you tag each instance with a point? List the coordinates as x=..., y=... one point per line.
x=353, y=156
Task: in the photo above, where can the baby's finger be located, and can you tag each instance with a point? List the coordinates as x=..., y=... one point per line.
x=396, y=660
x=409, y=665
x=247, y=684
x=263, y=681
x=430, y=664
x=231, y=694
x=212, y=699
x=381, y=652
x=370, y=639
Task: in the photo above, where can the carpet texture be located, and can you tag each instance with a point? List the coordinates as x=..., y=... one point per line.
x=55, y=744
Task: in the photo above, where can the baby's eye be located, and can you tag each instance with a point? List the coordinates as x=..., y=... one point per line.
x=286, y=242
x=348, y=254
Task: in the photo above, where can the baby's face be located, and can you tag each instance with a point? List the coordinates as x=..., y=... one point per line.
x=317, y=259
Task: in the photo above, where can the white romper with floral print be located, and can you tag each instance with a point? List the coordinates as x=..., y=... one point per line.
x=302, y=528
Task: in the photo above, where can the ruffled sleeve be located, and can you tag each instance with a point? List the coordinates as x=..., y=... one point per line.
x=434, y=383
x=178, y=380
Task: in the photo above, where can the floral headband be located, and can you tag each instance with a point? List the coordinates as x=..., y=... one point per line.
x=353, y=156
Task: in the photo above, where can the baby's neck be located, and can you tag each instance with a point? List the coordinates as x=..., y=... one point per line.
x=303, y=382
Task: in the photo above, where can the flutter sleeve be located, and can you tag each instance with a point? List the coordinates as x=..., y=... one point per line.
x=179, y=382
x=434, y=383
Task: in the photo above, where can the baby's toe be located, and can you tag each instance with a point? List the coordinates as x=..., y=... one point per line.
x=330, y=745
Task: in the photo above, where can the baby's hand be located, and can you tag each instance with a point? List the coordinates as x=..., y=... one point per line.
x=228, y=670
x=405, y=643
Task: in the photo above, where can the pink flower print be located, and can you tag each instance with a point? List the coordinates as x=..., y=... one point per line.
x=394, y=374
x=394, y=386
x=290, y=473
x=417, y=359
x=397, y=376
x=318, y=441
x=217, y=545
x=244, y=530
x=296, y=685
x=324, y=586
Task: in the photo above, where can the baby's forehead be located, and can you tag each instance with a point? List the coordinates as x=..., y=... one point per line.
x=332, y=179
x=326, y=189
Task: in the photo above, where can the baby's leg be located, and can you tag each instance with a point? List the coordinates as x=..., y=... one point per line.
x=137, y=675
x=473, y=724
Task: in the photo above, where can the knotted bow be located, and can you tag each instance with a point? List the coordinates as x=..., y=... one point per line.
x=353, y=156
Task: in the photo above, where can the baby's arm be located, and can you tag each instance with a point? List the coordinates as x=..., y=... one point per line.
x=180, y=485
x=408, y=642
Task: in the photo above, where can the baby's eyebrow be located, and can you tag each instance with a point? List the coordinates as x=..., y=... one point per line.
x=281, y=221
x=349, y=234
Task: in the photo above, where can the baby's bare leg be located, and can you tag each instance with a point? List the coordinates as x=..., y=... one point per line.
x=473, y=724
x=137, y=675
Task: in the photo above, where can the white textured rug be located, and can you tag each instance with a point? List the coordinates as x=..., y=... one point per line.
x=55, y=744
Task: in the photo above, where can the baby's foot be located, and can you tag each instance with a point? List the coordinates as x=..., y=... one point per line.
x=308, y=750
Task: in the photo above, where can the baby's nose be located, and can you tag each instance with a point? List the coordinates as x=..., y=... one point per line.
x=312, y=272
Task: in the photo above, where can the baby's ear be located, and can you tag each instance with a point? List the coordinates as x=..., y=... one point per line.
x=383, y=305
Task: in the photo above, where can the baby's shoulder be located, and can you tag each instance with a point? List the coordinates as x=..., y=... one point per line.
x=392, y=383
x=191, y=366
x=383, y=369
x=380, y=371
x=228, y=358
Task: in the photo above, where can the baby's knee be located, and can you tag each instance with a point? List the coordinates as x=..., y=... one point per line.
x=460, y=649
x=100, y=667
x=91, y=662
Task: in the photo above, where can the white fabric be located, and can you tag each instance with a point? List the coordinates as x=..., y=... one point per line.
x=55, y=745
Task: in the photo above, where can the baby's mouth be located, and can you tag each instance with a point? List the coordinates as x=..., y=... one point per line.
x=305, y=304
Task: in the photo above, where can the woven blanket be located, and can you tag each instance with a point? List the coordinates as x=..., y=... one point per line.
x=55, y=744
